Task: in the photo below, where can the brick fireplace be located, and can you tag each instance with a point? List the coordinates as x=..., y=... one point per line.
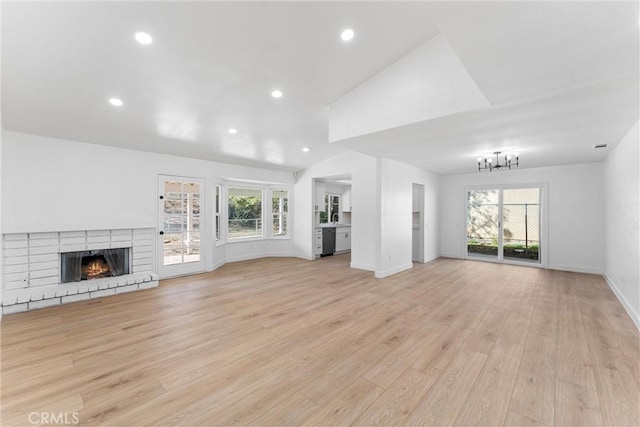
x=35, y=275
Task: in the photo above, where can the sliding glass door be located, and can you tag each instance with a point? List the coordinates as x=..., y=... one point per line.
x=504, y=224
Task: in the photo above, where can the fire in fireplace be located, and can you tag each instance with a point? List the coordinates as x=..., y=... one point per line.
x=94, y=267
x=88, y=265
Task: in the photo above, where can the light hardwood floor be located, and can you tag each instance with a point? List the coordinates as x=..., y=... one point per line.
x=293, y=342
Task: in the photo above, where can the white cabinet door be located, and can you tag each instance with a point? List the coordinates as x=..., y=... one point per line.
x=318, y=202
x=317, y=242
x=343, y=239
x=346, y=200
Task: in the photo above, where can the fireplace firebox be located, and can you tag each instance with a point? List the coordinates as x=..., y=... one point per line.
x=88, y=265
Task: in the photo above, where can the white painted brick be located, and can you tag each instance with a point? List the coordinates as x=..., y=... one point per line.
x=143, y=249
x=61, y=292
x=127, y=288
x=36, y=296
x=142, y=255
x=15, y=252
x=16, y=236
x=142, y=231
x=15, y=308
x=103, y=285
x=73, y=240
x=66, y=234
x=83, y=287
x=121, y=237
x=23, y=297
x=16, y=260
x=49, y=292
x=9, y=298
x=98, y=233
x=130, y=279
x=14, y=277
x=52, y=272
x=33, y=236
x=148, y=285
x=123, y=244
x=103, y=293
x=44, y=257
x=44, y=303
x=47, y=265
x=43, y=250
x=36, y=243
x=147, y=277
x=98, y=239
x=112, y=282
x=75, y=298
x=143, y=241
x=15, y=244
x=92, y=285
x=16, y=284
x=44, y=281
x=71, y=289
x=123, y=232
x=155, y=276
x=16, y=268
x=97, y=246
x=73, y=248
x=142, y=261
x=141, y=268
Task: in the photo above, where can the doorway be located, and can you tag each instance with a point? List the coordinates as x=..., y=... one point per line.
x=505, y=224
x=180, y=227
x=417, y=224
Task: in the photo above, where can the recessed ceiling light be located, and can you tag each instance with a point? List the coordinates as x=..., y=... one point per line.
x=233, y=131
x=116, y=102
x=276, y=93
x=143, y=38
x=306, y=149
x=347, y=35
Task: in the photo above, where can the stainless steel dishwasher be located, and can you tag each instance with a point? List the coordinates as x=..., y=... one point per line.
x=328, y=241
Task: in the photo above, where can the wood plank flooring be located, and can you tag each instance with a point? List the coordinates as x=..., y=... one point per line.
x=292, y=342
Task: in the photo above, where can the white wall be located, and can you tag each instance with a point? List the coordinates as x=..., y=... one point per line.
x=621, y=218
x=428, y=82
x=397, y=181
x=575, y=207
x=364, y=241
x=57, y=185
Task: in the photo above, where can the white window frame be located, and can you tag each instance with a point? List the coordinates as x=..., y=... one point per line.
x=271, y=214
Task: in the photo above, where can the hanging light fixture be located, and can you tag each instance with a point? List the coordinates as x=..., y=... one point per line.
x=489, y=164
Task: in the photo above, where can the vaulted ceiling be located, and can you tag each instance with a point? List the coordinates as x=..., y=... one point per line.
x=433, y=84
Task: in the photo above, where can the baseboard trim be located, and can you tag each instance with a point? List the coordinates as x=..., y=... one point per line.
x=362, y=266
x=391, y=271
x=635, y=318
x=573, y=269
x=450, y=255
x=431, y=258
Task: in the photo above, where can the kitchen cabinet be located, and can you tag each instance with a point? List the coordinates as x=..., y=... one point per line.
x=317, y=242
x=346, y=200
x=343, y=239
x=318, y=201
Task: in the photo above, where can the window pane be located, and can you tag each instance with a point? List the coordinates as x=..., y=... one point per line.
x=245, y=213
x=279, y=224
x=521, y=219
x=482, y=223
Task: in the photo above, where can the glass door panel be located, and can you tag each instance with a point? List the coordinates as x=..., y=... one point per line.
x=180, y=211
x=483, y=213
x=521, y=224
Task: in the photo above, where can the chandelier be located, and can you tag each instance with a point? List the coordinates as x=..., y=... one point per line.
x=489, y=164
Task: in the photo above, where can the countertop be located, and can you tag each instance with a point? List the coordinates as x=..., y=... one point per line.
x=333, y=225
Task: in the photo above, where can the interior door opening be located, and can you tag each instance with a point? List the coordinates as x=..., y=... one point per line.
x=417, y=223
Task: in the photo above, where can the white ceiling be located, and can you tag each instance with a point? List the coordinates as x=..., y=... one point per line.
x=560, y=77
